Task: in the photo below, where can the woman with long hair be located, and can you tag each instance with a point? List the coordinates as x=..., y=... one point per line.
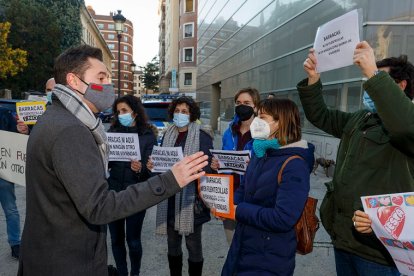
x=264, y=241
x=130, y=117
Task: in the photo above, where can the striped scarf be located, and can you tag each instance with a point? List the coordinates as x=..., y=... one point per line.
x=73, y=103
x=184, y=200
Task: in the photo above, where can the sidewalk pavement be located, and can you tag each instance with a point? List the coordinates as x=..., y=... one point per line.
x=154, y=261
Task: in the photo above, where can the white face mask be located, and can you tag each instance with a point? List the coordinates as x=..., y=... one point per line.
x=259, y=129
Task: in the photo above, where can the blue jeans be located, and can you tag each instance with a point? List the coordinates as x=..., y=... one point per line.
x=133, y=237
x=351, y=264
x=8, y=203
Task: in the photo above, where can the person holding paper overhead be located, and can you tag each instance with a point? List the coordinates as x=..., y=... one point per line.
x=129, y=117
x=67, y=196
x=238, y=137
x=264, y=242
x=374, y=156
x=184, y=214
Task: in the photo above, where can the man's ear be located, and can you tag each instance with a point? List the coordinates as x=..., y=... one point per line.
x=71, y=80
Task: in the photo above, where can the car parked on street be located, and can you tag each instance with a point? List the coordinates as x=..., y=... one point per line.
x=8, y=120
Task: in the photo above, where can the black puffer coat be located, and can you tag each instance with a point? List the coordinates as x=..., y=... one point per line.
x=121, y=175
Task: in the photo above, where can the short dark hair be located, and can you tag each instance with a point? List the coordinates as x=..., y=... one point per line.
x=194, y=108
x=253, y=92
x=75, y=60
x=141, y=119
x=287, y=113
x=400, y=69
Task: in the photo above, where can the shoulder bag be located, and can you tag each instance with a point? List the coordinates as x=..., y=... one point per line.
x=308, y=222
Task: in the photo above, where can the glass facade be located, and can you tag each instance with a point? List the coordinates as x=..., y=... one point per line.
x=263, y=44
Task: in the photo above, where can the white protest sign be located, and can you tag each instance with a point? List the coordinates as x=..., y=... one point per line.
x=336, y=40
x=392, y=217
x=123, y=146
x=163, y=158
x=231, y=161
x=13, y=157
x=216, y=190
x=36, y=98
x=28, y=112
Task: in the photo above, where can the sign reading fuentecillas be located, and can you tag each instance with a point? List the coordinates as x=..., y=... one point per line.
x=123, y=146
x=163, y=158
x=216, y=190
x=13, y=157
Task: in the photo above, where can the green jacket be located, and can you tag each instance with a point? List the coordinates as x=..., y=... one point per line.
x=375, y=156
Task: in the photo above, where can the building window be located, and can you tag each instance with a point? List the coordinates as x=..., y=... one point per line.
x=101, y=26
x=125, y=48
x=125, y=38
x=125, y=85
x=111, y=46
x=188, y=54
x=112, y=65
x=188, y=78
x=189, y=6
x=125, y=57
x=111, y=26
x=126, y=76
x=111, y=36
x=125, y=29
x=189, y=30
x=126, y=67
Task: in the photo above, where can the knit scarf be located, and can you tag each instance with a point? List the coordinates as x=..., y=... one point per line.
x=184, y=200
x=73, y=103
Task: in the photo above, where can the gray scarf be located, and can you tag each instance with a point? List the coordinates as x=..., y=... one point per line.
x=184, y=200
x=72, y=102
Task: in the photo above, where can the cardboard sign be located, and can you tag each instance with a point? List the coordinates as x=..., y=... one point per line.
x=164, y=158
x=28, y=112
x=123, y=146
x=13, y=157
x=336, y=40
x=232, y=161
x=216, y=190
x=392, y=217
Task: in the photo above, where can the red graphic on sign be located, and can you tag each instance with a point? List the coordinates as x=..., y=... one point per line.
x=392, y=219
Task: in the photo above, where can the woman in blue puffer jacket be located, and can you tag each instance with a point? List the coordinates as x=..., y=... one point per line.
x=264, y=242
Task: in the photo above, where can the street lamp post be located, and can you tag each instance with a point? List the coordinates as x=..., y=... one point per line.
x=119, y=20
x=133, y=66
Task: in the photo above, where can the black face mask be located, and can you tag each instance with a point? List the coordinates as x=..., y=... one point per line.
x=244, y=112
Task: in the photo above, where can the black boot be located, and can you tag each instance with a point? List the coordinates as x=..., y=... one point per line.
x=175, y=263
x=195, y=268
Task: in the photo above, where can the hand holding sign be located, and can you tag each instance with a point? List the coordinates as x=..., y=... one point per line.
x=310, y=67
x=362, y=222
x=214, y=164
x=136, y=166
x=189, y=168
x=364, y=57
x=22, y=128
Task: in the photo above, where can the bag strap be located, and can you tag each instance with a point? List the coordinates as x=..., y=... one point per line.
x=279, y=175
